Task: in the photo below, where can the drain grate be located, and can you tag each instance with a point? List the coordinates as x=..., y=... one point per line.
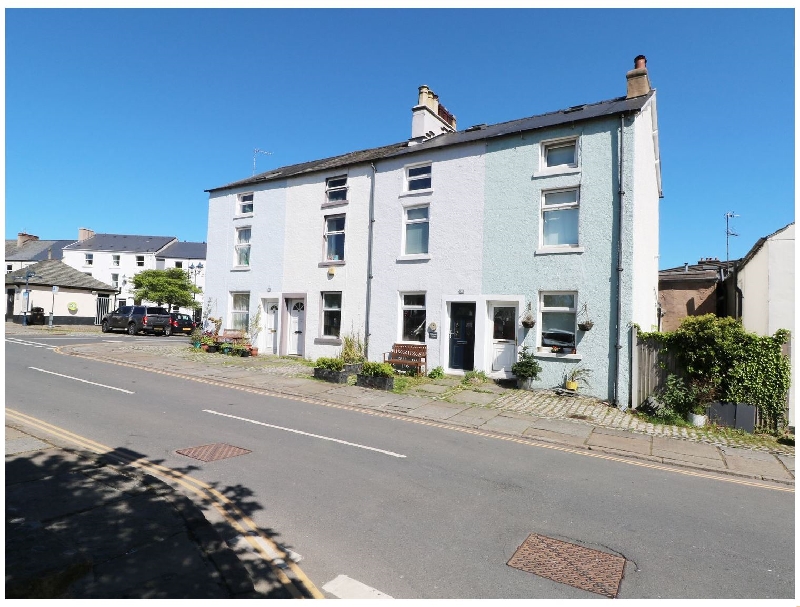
x=570, y=564
x=214, y=452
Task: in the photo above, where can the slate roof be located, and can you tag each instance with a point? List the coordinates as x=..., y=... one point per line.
x=185, y=250
x=122, y=243
x=55, y=272
x=36, y=250
x=705, y=269
x=577, y=113
x=10, y=246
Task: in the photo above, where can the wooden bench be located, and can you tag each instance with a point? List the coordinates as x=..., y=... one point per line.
x=408, y=355
x=228, y=336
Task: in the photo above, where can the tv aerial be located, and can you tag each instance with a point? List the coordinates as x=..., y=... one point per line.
x=256, y=151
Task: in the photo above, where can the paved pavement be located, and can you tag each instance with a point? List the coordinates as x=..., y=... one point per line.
x=55, y=497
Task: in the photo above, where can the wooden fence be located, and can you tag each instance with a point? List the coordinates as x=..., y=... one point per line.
x=649, y=375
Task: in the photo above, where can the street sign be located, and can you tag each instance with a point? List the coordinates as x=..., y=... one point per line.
x=25, y=294
x=55, y=288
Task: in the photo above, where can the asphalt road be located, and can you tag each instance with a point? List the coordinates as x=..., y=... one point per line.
x=441, y=521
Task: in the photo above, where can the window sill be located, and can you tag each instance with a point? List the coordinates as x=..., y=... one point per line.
x=554, y=172
x=243, y=216
x=420, y=257
x=558, y=250
x=332, y=262
x=416, y=193
x=333, y=203
x=328, y=341
x=558, y=355
x=240, y=269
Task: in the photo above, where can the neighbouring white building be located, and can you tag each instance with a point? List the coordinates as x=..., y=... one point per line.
x=451, y=238
x=765, y=283
x=115, y=259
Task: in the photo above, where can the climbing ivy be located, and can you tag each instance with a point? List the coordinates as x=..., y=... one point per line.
x=737, y=365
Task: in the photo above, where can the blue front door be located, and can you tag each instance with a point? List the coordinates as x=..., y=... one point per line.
x=462, y=336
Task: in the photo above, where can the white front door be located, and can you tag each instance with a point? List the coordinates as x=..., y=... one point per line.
x=270, y=342
x=297, y=323
x=504, y=338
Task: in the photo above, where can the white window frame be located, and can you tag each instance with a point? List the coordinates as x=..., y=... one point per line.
x=241, y=203
x=330, y=189
x=115, y=280
x=325, y=235
x=324, y=309
x=559, y=207
x=9, y=268
x=239, y=245
x=549, y=144
x=407, y=222
x=115, y=261
x=560, y=309
x=140, y=261
x=245, y=312
x=404, y=307
x=409, y=179
x=88, y=259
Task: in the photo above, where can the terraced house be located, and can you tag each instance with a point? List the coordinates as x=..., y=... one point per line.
x=541, y=231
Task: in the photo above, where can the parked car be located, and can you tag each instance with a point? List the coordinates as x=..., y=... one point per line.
x=134, y=319
x=181, y=323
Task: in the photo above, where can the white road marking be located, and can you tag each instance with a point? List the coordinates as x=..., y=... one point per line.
x=85, y=381
x=343, y=587
x=335, y=440
x=23, y=342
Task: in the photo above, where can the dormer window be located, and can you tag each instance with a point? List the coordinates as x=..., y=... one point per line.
x=336, y=189
x=245, y=204
x=418, y=178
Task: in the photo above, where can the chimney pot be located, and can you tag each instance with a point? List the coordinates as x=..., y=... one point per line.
x=685, y=266
x=640, y=62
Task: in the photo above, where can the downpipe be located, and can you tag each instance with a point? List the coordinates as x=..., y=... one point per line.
x=621, y=205
x=369, y=260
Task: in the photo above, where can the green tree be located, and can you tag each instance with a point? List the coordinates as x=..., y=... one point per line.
x=172, y=287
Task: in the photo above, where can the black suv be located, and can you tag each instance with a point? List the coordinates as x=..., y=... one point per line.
x=134, y=319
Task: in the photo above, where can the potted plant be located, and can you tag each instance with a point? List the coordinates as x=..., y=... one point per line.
x=584, y=322
x=576, y=376
x=376, y=375
x=352, y=353
x=195, y=337
x=702, y=392
x=526, y=369
x=528, y=321
x=207, y=342
x=239, y=348
x=253, y=330
x=330, y=369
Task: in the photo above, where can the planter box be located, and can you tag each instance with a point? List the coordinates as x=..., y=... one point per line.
x=353, y=369
x=525, y=384
x=377, y=383
x=733, y=415
x=336, y=377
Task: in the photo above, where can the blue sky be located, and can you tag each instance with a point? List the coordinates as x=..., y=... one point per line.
x=118, y=120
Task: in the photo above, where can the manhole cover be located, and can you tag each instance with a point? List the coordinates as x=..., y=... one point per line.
x=570, y=564
x=214, y=452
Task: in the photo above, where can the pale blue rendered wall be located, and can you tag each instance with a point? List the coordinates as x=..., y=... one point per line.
x=511, y=237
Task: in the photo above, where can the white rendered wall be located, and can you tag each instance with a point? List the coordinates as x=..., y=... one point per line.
x=307, y=272
x=265, y=272
x=645, y=203
x=753, y=280
x=455, y=247
x=102, y=268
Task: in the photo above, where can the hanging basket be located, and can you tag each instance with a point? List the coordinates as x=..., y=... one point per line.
x=528, y=323
x=586, y=326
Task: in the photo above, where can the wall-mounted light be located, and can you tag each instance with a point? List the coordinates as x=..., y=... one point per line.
x=331, y=271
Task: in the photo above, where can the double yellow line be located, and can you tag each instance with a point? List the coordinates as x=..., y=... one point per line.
x=299, y=587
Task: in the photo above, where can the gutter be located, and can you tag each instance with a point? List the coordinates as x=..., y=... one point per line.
x=621, y=194
x=369, y=260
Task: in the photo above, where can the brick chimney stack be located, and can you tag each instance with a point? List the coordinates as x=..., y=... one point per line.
x=429, y=117
x=23, y=238
x=638, y=80
x=85, y=234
